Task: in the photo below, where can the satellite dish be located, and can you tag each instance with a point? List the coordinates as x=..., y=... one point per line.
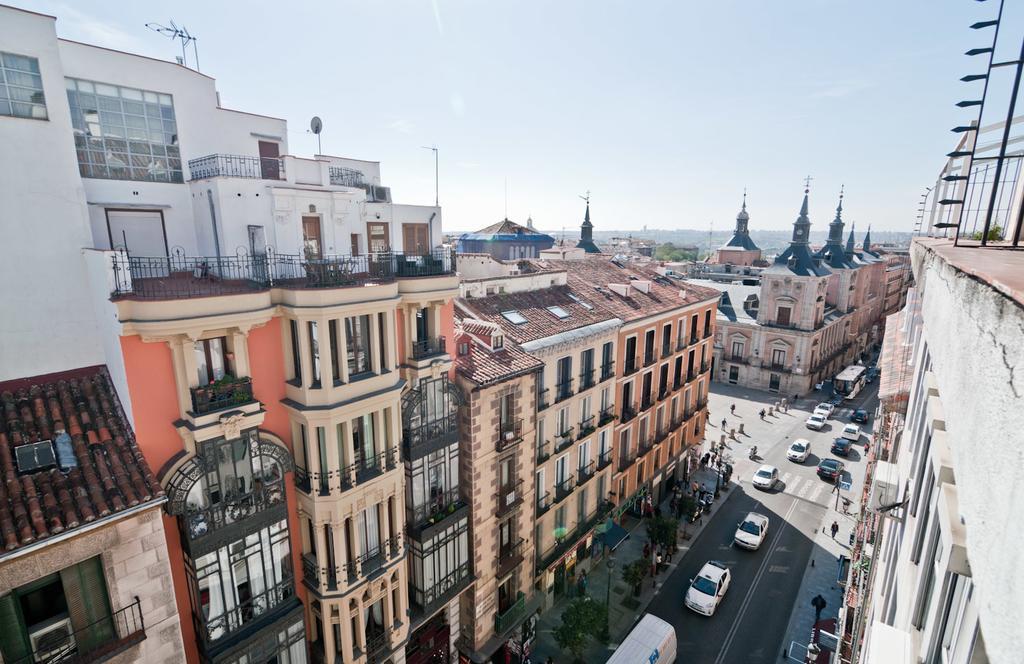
x=316, y=125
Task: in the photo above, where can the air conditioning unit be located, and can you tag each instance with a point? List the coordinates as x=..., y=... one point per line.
x=381, y=194
x=53, y=640
x=885, y=485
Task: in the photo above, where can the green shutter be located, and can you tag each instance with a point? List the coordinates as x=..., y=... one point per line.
x=14, y=643
x=86, y=594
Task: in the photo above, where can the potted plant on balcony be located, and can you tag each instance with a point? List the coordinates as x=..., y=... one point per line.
x=224, y=391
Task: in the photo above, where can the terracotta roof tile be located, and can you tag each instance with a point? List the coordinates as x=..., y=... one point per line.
x=111, y=474
x=486, y=367
x=533, y=305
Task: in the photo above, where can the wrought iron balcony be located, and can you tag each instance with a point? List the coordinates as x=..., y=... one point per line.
x=378, y=647
x=509, y=557
x=426, y=348
x=666, y=349
x=346, y=177
x=96, y=642
x=607, y=371
x=236, y=166
x=585, y=472
x=663, y=391
x=564, y=439
x=708, y=333
x=738, y=357
x=629, y=411
x=586, y=427
x=320, y=579
x=631, y=366
x=542, y=398
x=436, y=511
x=646, y=401
x=430, y=436
x=694, y=338
x=587, y=380
x=650, y=358
x=681, y=344
x=509, y=497
x=779, y=366
x=226, y=392
x=606, y=416
x=677, y=383
x=544, y=503
x=626, y=459
x=645, y=444
x=702, y=403
x=510, y=434
x=704, y=366
x=661, y=434
x=247, y=612
x=424, y=601
x=563, y=390
x=367, y=468
x=691, y=374
x=564, y=488
x=511, y=617
x=604, y=460
x=368, y=564
x=543, y=451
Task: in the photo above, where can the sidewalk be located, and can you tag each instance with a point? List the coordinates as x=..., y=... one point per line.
x=625, y=610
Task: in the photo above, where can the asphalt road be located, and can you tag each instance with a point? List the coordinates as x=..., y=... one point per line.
x=750, y=623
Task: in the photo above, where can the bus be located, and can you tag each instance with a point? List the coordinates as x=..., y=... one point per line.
x=850, y=381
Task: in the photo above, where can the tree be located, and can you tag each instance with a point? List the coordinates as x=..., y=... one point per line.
x=662, y=531
x=635, y=572
x=669, y=252
x=582, y=619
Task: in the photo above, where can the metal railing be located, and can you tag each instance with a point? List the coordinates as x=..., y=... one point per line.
x=367, y=468
x=691, y=374
x=564, y=439
x=544, y=503
x=302, y=480
x=645, y=444
x=542, y=398
x=563, y=390
x=438, y=508
x=509, y=497
x=345, y=177
x=607, y=371
x=510, y=434
x=587, y=380
x=543, y=451
x=429, y=347
x=318, y=577
x=660, y=434
x=372, y=560
x=631, y=366
x=510, y=617
x=248, y=611
x=236, y=166
x=178, y=276
x=666, y=349
x=629, y=411
x=266, y=494
x=586, y=427
x=509, y=557
x=585, y=472
x=564, y=488
x=224, y=393
x=650, y=358
x=604, y=460
x=95, y=642
x=377, y=647
x=626, y=459
x=429, y=436
x=646, y=401
x=606, y=416
x=681, y=344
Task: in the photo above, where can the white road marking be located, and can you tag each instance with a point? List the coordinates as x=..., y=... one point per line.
x=753, y=586
x=816, y=492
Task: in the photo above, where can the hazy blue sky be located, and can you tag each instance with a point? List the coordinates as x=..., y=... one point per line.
x=664, y=111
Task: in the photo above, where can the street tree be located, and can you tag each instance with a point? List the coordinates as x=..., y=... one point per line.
x=662, y=531
x=634, y=573
x=582, y=619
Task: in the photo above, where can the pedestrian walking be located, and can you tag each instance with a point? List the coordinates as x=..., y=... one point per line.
x=647, y=550
x=835, y=529
x=582, y=583
x=732, y=409
x=723, y=423
x=867, y=448
x=819, y=605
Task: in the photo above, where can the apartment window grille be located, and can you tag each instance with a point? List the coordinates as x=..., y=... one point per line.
x=124, y=133
x=21, y=87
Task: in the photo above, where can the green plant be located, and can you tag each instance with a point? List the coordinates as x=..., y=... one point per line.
x=582, y=619
x=995, y=233
x=634, y=574
x=662, y=531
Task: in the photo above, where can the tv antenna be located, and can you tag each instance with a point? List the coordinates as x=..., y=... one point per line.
x=316, y=125
x=182, y=34
x=436, y=197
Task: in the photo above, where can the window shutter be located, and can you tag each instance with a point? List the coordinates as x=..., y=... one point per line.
x=86, y=594
x=14, y=642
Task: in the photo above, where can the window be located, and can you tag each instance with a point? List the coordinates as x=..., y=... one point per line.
x=648, y=346
x=585, y=305
x=364, y=442
x=607, y=360
x=783, y=315
x=332, y=328
x=21, y=87
x=293, y=328
x=211, y=359
x=587, y=367
x=506, y=410
x=737, y=350
x=314, y=351
x=778, y=357
x=514, y=317
x=357, y=345
x=558, y=312
x=123, y=133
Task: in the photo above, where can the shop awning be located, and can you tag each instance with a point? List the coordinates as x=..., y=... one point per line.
x=614, y=535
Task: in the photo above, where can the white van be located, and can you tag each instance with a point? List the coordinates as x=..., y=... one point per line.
x=652, y=641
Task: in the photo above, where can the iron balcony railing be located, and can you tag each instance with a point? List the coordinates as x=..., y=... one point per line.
x=367, y=468
x=663, y=391
x=677, y=383
x=702, y=403
x=629, y=411
x=587, y=427
x=544, y=503
x=96, y=642
x=542, y=398
x=265, y=494
x=372, y=559
x=604, y=460
x=429, y=436
x=509, y=498
x=661, y=434
x=645, y=444
x=321, y=579
x=227, y=392
x=509, y=557
x=302, y=480
x=510, y=617
x=543, y=451
x=607, y=415
x=681, y=344
x=650, y=358
x=564, y=439
x=607, y=371
x=378, y=646
x=587, y=380
x=345, y=177
x=631, y=366
x=708, y=333
x=436, y=510
x=646, y=401
x=626, y=459
x=704, y=366
x=248, y=611
x=691, y=374
x=779, y=366
x=236, y=166
x=666, y=349
x=510, y=434
x=178, y=276
x=694, y=338
x=585, y=472
x=564, y=488
x=563, y=390
x=429, y=347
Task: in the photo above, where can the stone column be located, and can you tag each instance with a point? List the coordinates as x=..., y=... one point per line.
x=343, y=350
x=391, y=339
x=375, y=343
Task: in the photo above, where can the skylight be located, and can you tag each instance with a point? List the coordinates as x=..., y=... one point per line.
x=514, y=317
x=585, y=305
x=558, y=312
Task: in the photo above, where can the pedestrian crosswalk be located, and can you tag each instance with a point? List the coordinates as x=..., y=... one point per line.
x=807, y=488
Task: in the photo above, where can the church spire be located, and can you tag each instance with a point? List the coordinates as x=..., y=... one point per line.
x=802, y=225
x=849, y=240
x=867, y=240
x=587, y=231
x=835, y=229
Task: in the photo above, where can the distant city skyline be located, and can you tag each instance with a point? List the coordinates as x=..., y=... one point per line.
x=665, y=115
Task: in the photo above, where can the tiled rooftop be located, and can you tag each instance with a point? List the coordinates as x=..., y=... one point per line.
x=533, y=305
x=484, y=366
x=107, y=475
x=589, y=274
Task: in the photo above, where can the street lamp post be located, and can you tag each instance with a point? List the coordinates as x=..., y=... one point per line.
x=610, y=564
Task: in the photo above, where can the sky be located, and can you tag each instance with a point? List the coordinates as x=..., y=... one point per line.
x=664, y=112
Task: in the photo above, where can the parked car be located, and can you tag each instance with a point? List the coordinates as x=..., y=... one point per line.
x=816, y=421
x=708, y=588
x=765, y=477
x=799, y=450
x=825, y=409
x=851, y=432
x=860, y=415
x=751, y=531
x=830, y=469
x=841, y=446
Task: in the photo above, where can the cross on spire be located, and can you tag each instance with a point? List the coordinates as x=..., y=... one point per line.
x=807, y=183
x=587, y=197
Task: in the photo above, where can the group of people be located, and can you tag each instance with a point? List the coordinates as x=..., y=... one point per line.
x=662, y=556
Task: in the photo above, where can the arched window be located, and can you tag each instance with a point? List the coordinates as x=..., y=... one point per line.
x=430, y=415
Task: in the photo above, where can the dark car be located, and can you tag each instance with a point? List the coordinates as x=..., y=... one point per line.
x=830, y=469
x=859, y=416
x=841, y=446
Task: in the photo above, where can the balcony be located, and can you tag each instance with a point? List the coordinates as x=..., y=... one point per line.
x=629, y=411
x=226, y=392
x=431, y=436
x=738, y=359
x=378, y=647
x=702, y=403
x=704, y=366
x=319, y=579
x=424, y=601
x=236, y=166
x=542, y=398
x=509, y=558
x=666, y=349
x=586, y=427
x=563, y=390
x=511, y=617
x=645, y=444
x=607, y=415
x=423, y=349
x=626, y=459
x=184, y=277
x=444, y=508
x=543, y=451
x=604, y=460
x=708, y=333
x=246, y=613
x=780, y=367
x=365, y=469
x=631, y=366
x=346, y=177
x=663, y=391
x=370, y=564
x=587, y=380
x=544, y=503
x=660, y=434
x=564, y=439
x=585, y=472
x=564, y=488
x=677, y=383
x=650, y=358
x=302, y=480
x=509, y=497
x=646, y=401
x=694, y=338
x=510, y=434
x=681, y=344
x=691, y=374
x=96, y=642
x=607, y=371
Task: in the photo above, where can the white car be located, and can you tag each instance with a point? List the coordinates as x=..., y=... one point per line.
x=799, y=450
x=824, y=409
x=751, y=531
x=765, y=477
x=851, y=432
x=708, y=588
x=816, y=421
